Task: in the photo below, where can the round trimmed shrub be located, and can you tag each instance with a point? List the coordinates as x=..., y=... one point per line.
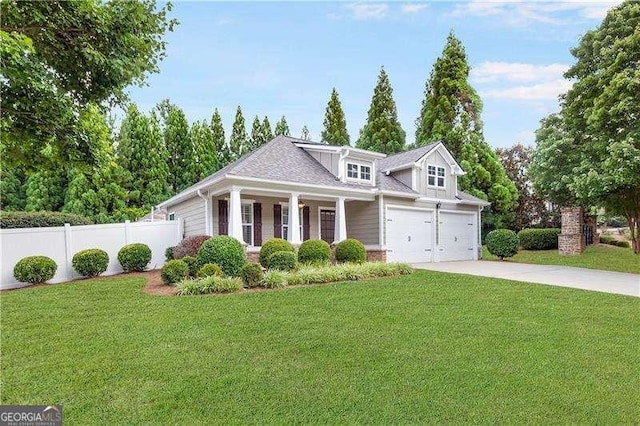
x=189, y=246
x=271, y=246
x=35, y=269
x=210, y=270
x=283, y=260
x=90, y=262
x=225, y=251
x=502, y=243
x=315, y=252
x=252, y=274
x=351, y=250
x=192, y=263
x=168, y=253
x=174, y=271
x=539, y=239
x=134, y=257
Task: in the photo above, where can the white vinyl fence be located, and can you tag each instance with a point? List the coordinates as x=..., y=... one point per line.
x=61, y=243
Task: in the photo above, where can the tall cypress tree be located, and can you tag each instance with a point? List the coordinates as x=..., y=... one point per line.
x=282, y=128
x=382, y=132
x=305, y=135
x=217, y=135
x=266, y=129
x=238, y=142
x=143, y=155
x=335, y=122
x=257, y=138
x=206, y=158
x=175, y=135
x=451, y=112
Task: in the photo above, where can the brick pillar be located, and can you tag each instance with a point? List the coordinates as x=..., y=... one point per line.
x=571, y=240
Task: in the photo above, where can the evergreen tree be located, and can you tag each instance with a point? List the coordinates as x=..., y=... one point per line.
x=218, y=138
x=335, y=122
x=175, y=135
x=12, y=178
x=45, y=191
x=239, y=142
x=144, y=157
x=257, y=135
x=206, y=158
x=382, y=131
x=266, y=129
x=451, y=112
x=282, y=128
x=305, y=133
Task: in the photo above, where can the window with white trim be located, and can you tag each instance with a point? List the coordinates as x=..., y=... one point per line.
x=358, y=171
x=172, y=216
x=247, y=223
x=435, y=176
x=285, y=221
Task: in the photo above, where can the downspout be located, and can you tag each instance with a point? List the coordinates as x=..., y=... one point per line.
x=207, y=220
x=341, y=172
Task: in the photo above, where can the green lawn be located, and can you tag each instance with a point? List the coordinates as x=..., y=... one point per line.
x=607, y=258
x=428, y=347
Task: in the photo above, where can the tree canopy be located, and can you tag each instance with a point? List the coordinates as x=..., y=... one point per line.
x=335, y=122
x=282, y=128
x=239, y=140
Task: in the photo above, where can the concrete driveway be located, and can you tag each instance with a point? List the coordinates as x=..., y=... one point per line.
x=563, y=276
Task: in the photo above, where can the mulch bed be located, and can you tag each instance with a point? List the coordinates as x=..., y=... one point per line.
x=155, y=285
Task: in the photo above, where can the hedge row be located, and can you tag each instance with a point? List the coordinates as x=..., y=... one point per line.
x=9, y=219
x=539, y=239
x=607, y=239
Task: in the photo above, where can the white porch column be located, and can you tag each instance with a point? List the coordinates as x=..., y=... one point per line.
x=341, y=221
x=235, y=215
x=294, y=219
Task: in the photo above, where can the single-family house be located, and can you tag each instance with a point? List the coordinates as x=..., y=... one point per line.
x=403, y=207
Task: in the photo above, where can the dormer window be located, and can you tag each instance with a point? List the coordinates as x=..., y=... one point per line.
x=435, y=176
x=357, y=171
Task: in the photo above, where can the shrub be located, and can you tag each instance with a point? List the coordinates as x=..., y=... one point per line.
x=35, y=269
x=90, y=262
x=210, y=270
x=539, y=239
x=271, y=246
x=10, y=219
x=134, y=257
x=316, y=252
x=168, y=253
x=274, y=279
x=351, y=250
x=251, y=274
x=174, y=271
x=283, y=260
x=224, y=251
x=607, y=239
x=206, y=285
x=189, y=246
x=193, y=265
x=502, y=243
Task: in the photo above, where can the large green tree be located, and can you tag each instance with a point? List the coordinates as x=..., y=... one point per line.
x=335, y=122
x=599, y=142
x=451, y=113
x=143, y=156
x=180, y=148
x=258, y=136
x=282, y=128
x=59, y=56
x=305, y=134
x=266, y=129
x=382, y=131
x=218, y=138
x=45, y=190
x=206, y=152
x=239, y=141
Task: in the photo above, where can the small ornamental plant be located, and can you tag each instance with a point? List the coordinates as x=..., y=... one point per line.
x=134, y=257
x=351, y=250
x=502, y=243
x=35, y=269
x=90, y=262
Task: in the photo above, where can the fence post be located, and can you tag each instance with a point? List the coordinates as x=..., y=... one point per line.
x=127, y=232
x=68, y=251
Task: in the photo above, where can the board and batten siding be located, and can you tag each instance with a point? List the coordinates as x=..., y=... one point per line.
x=449, y=191
x=404, y=176
x=362, y=221
x=192, y=212
x=329, y=161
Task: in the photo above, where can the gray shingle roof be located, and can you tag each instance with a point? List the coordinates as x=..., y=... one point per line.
x=406, y=157
x=463, y=196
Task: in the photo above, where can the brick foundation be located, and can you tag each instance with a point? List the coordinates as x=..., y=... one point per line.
x=571, y=240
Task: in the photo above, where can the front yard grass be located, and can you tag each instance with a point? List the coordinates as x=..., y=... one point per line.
x=601, y=256
x=427, y=347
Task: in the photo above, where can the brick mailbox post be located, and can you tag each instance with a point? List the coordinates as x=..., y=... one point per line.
x=571, y=240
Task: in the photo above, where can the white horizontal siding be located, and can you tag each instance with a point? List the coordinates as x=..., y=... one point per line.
x=192, y=212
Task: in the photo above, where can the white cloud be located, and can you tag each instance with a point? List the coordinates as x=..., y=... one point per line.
x=413, y=8
x=542, y=91
x=363, y=11
x=526, y=137
x=515, y=71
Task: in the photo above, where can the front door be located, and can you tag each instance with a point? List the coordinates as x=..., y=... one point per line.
x=327, y=225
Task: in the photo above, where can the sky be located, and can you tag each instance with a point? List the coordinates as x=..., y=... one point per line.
x=283, y=58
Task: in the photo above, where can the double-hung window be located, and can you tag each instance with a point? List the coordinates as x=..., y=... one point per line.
x=352, y=171
x=435, y=176
x=285, y=221
x=247, y=223
x=358, y=171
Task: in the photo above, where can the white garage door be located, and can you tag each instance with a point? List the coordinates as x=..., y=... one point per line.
x=457, y=236
x=409, y=235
